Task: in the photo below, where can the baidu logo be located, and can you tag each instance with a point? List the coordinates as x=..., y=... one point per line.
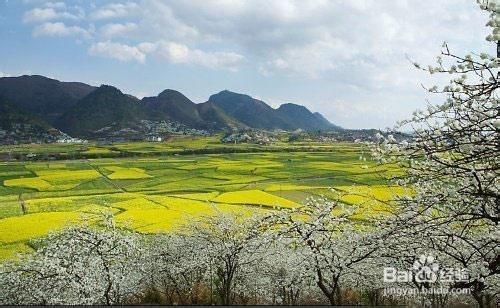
x=425, y=269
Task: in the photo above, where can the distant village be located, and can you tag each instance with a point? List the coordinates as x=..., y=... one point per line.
x=154, y=131
x=159, y=131
x=28, y=133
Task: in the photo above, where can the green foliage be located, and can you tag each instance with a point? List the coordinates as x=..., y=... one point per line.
x=99, y=109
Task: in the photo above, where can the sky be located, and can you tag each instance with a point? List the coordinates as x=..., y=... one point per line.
x=347, y=59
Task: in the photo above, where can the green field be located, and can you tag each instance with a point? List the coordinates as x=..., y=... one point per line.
x=178, y=145
x=152, y=193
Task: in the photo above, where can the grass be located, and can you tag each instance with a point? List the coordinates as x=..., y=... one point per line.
x=285, y=186
x=121, y=173
x=10, y=208
x=98, y=150
x=11, y=251
x=53, y=179
x=156, y=191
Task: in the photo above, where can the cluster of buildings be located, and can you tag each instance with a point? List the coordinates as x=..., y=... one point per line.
x=158, y=131
x=20, y=133
x=341, y=135
x=145, y=130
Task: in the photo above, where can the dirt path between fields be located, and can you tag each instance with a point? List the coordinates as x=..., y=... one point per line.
x=22, y=204
x=106, y=178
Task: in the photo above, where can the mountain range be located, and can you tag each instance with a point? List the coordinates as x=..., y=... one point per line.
x=82, y=110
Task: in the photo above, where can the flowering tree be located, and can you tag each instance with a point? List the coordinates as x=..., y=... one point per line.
x=452, y=165
x=175, y=270
x=80, y=265
x=228, y=245
x=286, y=276
x=338, y=247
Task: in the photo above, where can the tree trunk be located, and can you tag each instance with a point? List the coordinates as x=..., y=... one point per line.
x=225, y=286
x=478, y=296
x=330, y=294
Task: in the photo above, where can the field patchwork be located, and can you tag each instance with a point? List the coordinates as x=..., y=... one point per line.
x=161, y=194
x=121, y=173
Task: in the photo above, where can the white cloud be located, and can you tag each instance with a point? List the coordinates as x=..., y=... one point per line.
x=3, y=74
x=160, y=22
x=50, y=13
x=39, y=14
x=309, y=60
x=308, y=39
x=147, y=47
x=115, y=10
x=55, y=5
x=315, y=38
x=59, y=29
x=117, y=29
x=121, y=52
x=173, y=52
x=179, y=53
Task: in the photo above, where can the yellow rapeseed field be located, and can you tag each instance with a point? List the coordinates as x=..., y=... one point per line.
x=164, y=193
x=199, y=196
x=54, y=179
x=254, y=197
x=371, y=200
x=30, y=226
x=180, y=213
x=137, y=204
x=64, y=175
x=35, y=183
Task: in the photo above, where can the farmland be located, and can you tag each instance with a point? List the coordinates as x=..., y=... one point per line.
x=149, y=187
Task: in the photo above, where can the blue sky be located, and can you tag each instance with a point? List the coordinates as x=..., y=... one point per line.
x=344, y=58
